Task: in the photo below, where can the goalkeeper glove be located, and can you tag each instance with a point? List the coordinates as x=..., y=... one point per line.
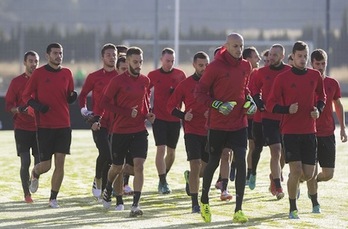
x=224, y=107
x=250, y=105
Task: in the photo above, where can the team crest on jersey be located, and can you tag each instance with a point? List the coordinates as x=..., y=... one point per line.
x=312, y=83
x=48, y=80
x=293, y=85
x=268, y=78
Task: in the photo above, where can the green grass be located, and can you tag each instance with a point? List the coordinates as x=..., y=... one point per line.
x=80, y=210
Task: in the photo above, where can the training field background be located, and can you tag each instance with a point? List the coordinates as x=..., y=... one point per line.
x=80, y=210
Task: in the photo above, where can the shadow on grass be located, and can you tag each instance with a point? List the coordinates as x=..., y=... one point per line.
x=169, y=211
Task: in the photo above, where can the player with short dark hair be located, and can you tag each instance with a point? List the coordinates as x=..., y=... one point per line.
x=166, y=128
x=127, y=98
x=326, y=152
x=298, y=94
x=100, y=123
x=49, y=92
x=223, y=88
x=24, y=121
x=194, y=118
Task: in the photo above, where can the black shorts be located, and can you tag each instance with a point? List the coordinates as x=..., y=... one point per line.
x=166, y=133
x=53, y=141
x=196, y=147
x=135, y=144
x=250, y=129
x=300, y=147
x=101, y=140
x=258, y=134
x=219, y=139
x=326, y=151
x=26, y=140
x=271, y=131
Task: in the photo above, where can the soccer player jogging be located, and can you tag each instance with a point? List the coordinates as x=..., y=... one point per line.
x=326, y=152
x=299, y=95
x=252, y=55
x=49, y=92
x=223, y=88
x=166, y=128
x=257, y=131
x=127, y=97
x=194, y=118
x=96, y=83
x=260, y=89
x=24, y=122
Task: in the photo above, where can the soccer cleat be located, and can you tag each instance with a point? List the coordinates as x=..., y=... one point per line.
x=164, y=188
x=272, y=187
x=225, y=196
x=232, y=173
x=95, y=190
x=252, y=182
x=187, y=187
x=205, y=212
x=53, y=203
x=106, y=199
x=239, y=217
x=316, y=209
x=279, y=193
x=218, y=185
x=28, y=199
x=34, y=183
x=196, y=209
x=119, y=207
x=135, y=211
x=127, y=190
x=293, y=215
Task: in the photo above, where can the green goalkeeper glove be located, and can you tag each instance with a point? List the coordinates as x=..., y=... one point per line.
x=224, y=107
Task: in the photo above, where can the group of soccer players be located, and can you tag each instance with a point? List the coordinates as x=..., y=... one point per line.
x=227, y=102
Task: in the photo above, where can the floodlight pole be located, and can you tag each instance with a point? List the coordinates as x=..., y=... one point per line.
x=177, y=30
x=327, y=40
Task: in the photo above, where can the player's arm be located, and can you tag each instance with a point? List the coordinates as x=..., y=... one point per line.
x=173, y=101
x=321, y=96
x=341, y=118
x=255, y=86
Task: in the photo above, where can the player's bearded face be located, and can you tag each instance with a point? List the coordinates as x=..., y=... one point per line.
x=55, y=57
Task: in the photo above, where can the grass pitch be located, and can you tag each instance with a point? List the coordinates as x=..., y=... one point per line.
x=80, y=210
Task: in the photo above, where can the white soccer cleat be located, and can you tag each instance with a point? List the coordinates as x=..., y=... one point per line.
x=53, y=203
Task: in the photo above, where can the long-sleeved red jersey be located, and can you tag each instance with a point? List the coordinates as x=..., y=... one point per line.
x=52, y=88
x=184, y=92
x=306, y=90
x=325, y=123
x=96, y=83
x=13, y=98
x=123, y=93
x=262, y=84
x=225, y=79
x=164, y=84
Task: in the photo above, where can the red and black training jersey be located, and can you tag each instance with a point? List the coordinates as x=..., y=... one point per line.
x=262, y=84
x=305, y=88
x=325, y=122
x=164, y=84
x=122, y=94
x=225, y=79
x=13, y=98
x=184, y=92
x=96, y=83
x=52, y=88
